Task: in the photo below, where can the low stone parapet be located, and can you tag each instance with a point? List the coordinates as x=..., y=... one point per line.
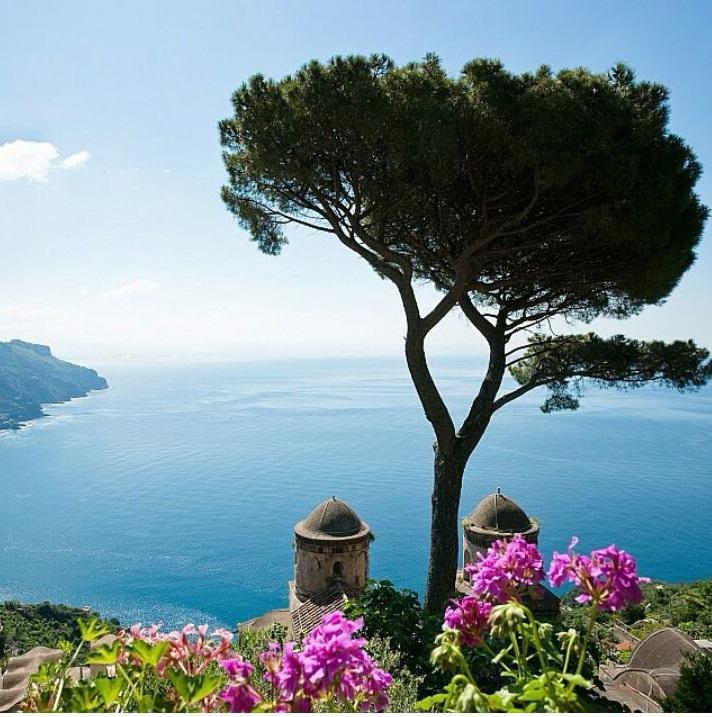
x=16, y=678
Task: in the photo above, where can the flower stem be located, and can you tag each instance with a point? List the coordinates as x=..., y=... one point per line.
x=60, y=687
x=589, y=632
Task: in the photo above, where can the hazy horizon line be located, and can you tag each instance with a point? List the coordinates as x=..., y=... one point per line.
x=189, y=359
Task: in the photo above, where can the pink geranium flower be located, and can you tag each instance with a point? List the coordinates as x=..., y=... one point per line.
x=239, y=694
x=607, y=577
x=468, y=616
x=508, y=568
x=332, y=665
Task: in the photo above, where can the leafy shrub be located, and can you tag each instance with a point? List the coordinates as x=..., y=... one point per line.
x=403, y=692
x=26, y=626
x=396, y=616
x=694, y=690
x=190, y=670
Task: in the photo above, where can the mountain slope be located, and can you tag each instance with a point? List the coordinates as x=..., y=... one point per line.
x=30, y=376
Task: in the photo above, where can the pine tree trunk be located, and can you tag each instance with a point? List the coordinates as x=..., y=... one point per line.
x=442, y=567
x=447, y=488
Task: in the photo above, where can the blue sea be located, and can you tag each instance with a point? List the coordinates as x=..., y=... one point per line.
x=172, y=495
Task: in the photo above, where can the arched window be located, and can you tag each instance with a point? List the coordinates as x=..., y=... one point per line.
x=338, y=569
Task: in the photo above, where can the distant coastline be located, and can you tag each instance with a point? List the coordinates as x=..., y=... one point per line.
x=31, y=377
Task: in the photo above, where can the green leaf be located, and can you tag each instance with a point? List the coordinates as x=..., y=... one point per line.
x=427, y=703
x=148, y=654
x=193, y=688
x=92, y=629
x=147, y=704
x=66, y=647
x=109, y=689
x=47, y=674
x=577, y=680
x=83, y=699
x=104, y=654
x=532, y=693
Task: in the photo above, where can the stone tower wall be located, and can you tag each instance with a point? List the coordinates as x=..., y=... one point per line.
x=319, y=564
x=476, y=540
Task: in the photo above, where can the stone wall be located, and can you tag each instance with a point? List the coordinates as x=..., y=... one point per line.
x=477, y=540
x=14, y=681
x=319, y=564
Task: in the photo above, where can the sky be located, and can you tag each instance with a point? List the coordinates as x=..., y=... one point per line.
x=114, y=243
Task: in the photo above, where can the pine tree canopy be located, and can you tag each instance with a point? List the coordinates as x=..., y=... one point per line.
x=519, y=196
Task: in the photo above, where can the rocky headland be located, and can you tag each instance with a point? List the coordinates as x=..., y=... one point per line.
x=31, y=376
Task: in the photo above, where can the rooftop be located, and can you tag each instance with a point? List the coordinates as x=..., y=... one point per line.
x=332, y=518
x=499, y=513
x=308, y=615
x=663, y=648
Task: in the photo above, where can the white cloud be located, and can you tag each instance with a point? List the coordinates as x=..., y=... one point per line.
x=26, y=160
x=22, y=159
x=140, y=286
x=75, y=160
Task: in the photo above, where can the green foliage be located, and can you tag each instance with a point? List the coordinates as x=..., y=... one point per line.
x=396, y=616
x=694, y=690
x=52, y=689
x=136, y=685
x=615, y=362
x=149, y=655
x=28, y=626
x=538, y=670
x=250, y=643
x=104, y=654
x=91, y=628
x=632, y=612
x=624, y=656
x=192, y=689
x=686, y=606
x=601, y=646
x=516, y=175
x=405, y=688
x=541, y=194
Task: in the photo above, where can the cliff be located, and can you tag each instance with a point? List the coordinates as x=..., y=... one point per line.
x=30, y=376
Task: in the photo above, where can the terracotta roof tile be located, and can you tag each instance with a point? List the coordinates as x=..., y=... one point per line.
x=309, y=613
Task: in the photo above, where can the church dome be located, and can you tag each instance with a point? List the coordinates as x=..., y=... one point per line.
x=663, y=648
x=332, y=519
x=497, y=512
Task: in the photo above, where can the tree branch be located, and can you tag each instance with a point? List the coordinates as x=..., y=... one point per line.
x=512, y=395
x=477, y=319
x=288, y=217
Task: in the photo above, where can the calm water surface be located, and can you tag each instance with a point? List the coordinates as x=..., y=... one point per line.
x=172, y=495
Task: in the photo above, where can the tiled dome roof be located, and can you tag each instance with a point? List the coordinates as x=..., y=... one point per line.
x=331, y=519
x=664, y=648
x=497, y=512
